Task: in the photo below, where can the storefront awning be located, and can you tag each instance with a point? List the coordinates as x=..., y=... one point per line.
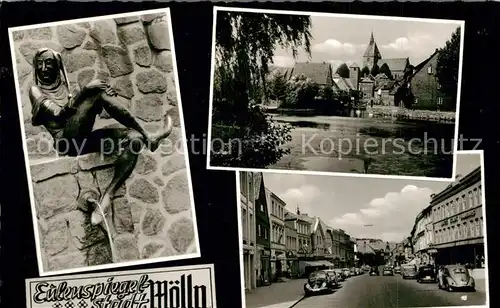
x=326, y=263
x=318, y=263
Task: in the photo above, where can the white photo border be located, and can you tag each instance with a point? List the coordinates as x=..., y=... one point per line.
x=41, y=269
x=460, y=23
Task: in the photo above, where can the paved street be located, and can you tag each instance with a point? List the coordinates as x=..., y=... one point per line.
x=391, y=291
x=277, y=295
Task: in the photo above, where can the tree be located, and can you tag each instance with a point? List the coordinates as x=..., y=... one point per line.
x=245, y=46
x=447, y=65
x=343, y=71
x=375, y=70
x=365, y=71
x=277, y=86
x=301, y=91
x=384, y=69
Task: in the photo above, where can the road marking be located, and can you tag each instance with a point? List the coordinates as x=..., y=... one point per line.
x=284, y=305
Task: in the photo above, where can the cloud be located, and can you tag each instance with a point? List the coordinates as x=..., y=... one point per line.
x=303, y=196
x=283, y=61
x=390, y=217
x=334, y=47
x=349, y=219
x=416, y=44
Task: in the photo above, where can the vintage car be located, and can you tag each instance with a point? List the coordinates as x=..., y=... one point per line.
x=455, y=277
x=340, y=274
x=347, y=272
x=334, y=279
x=426, y=273
x=374, y=271
x=352, y=271
x=387, y=271
x=397, y=270
x=317, y=283
x=408, y=271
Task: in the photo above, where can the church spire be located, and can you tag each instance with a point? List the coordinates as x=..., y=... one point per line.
x=372, y=40
x=298, y=209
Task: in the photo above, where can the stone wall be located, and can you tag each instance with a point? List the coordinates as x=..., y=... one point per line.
x=151, y=215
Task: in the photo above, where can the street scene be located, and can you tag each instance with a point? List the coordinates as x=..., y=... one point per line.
x=378, y=97
x=313, y=241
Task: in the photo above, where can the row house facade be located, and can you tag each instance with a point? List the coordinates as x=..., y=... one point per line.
x=458, y=221
x=422, y=236
x=292, y=243
x=247, y=210
x=276, y=208
x=263, y=236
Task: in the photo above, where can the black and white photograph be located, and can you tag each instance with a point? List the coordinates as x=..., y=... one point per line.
x=316, y=241
x=104, y=142
x=335, y=94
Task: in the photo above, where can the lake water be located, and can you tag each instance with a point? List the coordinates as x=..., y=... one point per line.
x=369, y=145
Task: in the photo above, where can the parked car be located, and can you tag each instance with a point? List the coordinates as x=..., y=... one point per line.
x=426, y=273
x=397, y=270
x=374, y=271
x=332, y=275
x=317, y=283
x=456, y=277
x=409, y=271
x=387, y=271
x=340, y=275
x=352, y=270
x=347, y=272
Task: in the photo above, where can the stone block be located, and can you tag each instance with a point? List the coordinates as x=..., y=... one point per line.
x=173, y=144
x=44, y=33
x=126, y=248
x=174, y=163
x=23, y=72
x=85, y=25
x=117, y=60
x=83, y=234
x=56, y=195
x=122, y=218
x=176, y=197
x=153, y=222
x=146, y=164
x=95, y=160
x=18, y=35
x=126, y=20
x=104, y=178
x=103, y=31
x=85, y=77
x=150, y=17
x=137, y=210
x=181, y=234
x=131, y=34
x=152, y=248
x=103, y=75
x=158, y=181
x=56, y=238
x=76, y=60
x=173, y=112
x=123, y=86
x=70, y=36
x=158, y=35
x=151, y=81
x=75, y=259
x=150, y=107
x=28, y=49
x=144, y=191
x=44, y=171
x=163, y=61
x=142, y=55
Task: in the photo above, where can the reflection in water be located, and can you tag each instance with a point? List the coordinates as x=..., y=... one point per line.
x=427, y=146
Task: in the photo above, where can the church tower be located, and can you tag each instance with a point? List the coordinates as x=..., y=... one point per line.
x=372, y=54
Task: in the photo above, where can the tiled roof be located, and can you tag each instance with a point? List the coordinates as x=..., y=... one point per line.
x=318, y=72
x=423, y=63
x=285, y=71
x=367, y=80
x=354, y=64
x=395, y=65
x=343, y=84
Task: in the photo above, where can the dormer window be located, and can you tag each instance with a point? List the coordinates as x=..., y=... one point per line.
x=429, y=69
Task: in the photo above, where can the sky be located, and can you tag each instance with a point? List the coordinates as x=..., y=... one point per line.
x=339, y=39
x=363, y=207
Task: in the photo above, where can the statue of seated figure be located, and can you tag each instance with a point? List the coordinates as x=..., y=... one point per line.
x=70, y=120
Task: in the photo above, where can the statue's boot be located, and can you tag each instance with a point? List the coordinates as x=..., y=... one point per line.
x=155, y=139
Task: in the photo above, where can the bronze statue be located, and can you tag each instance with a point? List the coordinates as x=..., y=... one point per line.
x=70, y=120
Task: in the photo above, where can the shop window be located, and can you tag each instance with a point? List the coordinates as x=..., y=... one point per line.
x=429, y=69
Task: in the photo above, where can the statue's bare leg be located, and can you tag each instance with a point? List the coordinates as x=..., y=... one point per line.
x=127, y=144
x=117, y=111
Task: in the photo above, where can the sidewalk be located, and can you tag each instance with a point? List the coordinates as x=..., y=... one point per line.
x=277, y=295
x=479, y=278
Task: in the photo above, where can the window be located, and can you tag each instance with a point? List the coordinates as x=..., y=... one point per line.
x=440, y=101
x=258, y=231
x=243, y=184
x=464, y=201
x=265, y=233
x=262, y=207
x=478, y=196
x=429, y=69
x=416, y=100
x=244, y=223
x=251, y=194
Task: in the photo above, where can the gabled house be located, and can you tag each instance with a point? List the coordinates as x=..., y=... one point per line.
x=318, y=72
x=263, y=237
